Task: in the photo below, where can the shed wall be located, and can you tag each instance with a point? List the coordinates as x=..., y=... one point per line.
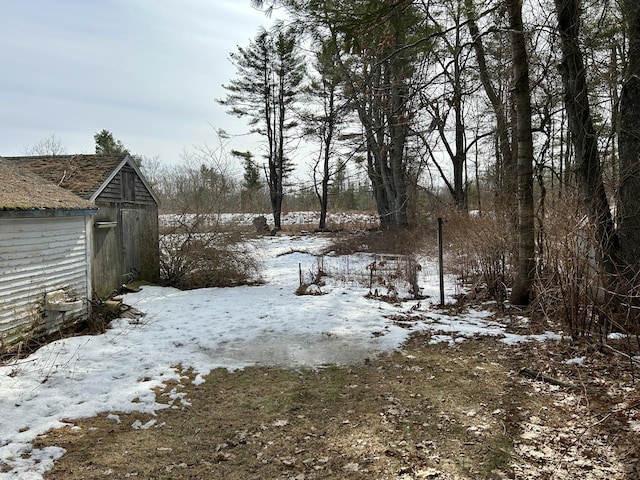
x=115, y=190
x=129, y=250
x=107, y=252
x=39, y=255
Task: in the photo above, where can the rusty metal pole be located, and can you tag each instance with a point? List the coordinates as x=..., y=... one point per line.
x=440, y=262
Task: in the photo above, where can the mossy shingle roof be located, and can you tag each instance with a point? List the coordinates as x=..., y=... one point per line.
x=82, y=174
x=21, y=189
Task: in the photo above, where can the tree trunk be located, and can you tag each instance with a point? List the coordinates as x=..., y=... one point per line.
x=398, y=129
x=583, y=134
x=329, y=130
x=282, y=111
x=376, y=169
x=505, y=159
x=460, y=157
x=386, y=131
x=326, y=174
x=629, y=150
x=521, y=293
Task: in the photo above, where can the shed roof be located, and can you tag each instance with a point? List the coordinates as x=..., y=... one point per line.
x=21, y=189
x=82, y=174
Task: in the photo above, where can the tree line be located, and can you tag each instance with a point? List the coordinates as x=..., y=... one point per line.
x=510, y=105
x=208, y=181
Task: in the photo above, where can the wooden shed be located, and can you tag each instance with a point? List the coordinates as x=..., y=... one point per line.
x=125, y=229
x=45, y=231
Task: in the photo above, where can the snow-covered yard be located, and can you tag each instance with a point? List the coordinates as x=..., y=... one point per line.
x=266, y=324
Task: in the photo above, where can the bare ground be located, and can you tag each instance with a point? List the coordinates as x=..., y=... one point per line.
x=428, y=411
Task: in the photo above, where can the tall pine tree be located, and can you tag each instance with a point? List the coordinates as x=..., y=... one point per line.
x=270, y=72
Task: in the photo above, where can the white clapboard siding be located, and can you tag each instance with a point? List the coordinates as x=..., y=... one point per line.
x=40, y=255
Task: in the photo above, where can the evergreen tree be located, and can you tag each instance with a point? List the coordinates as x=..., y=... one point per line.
x=251, y=184
x=107, y=144
x=381, y=44
x=269, y=75
x=385, y=41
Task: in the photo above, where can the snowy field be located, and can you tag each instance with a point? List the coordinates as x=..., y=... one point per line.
x=335, y=220
x=204, y=329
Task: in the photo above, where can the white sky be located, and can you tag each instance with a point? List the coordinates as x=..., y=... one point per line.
x=147, y=70
x=267, y=324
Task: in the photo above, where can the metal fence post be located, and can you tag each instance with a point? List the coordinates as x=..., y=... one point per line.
x=440, y=262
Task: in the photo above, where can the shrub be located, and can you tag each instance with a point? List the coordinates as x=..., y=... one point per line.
x=568, y=290
x=189, y=259
x=571, y=286
x=479, y=249
x=567, y=281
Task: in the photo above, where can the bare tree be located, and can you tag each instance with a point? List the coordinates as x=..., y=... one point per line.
x=325, y=123
x=49, y=146
x=505, y=160
x=447, y=107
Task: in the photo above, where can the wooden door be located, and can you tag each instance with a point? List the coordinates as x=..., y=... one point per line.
x=130, y=245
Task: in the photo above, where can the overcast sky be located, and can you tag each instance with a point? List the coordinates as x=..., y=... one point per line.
x=147, y=70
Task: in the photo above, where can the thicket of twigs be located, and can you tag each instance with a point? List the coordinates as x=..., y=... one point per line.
x=570, y=289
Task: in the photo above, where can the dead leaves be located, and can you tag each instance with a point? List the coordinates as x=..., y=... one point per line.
x=427, y=412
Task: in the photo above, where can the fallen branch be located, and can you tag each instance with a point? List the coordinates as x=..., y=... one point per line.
x=631, y=359
x=537, y=375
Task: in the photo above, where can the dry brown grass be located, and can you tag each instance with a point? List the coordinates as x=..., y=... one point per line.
x=423, y=410
x=436, y=412
x=399, y=242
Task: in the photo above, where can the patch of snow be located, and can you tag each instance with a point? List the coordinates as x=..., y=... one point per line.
x=575, y=361
x=114, y=417
x=138, y=425
x=80, y=377
x=616, y=336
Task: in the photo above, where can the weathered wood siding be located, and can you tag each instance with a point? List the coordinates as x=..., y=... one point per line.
x=37, y=256
x=128, y=251
x=116, y=190
x=149, y=244
x=107, y=258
